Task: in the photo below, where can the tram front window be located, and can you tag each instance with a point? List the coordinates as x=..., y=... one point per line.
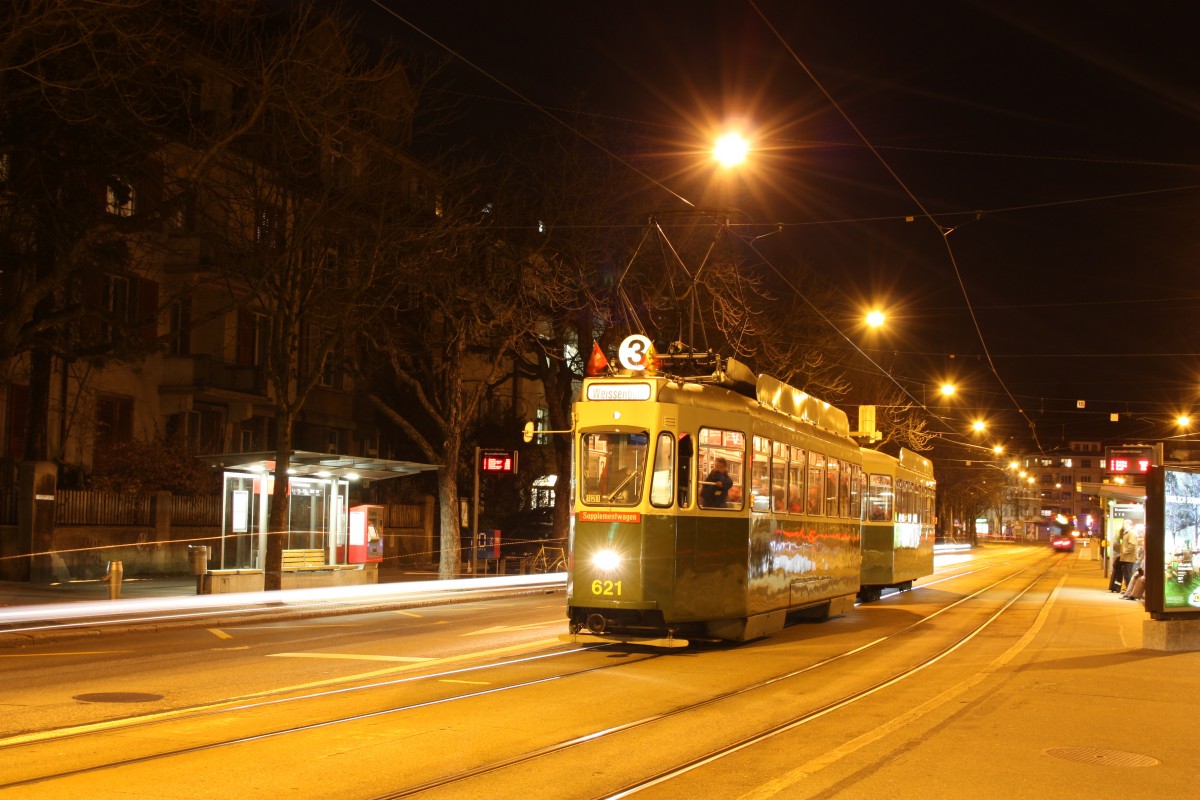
x=614, y=467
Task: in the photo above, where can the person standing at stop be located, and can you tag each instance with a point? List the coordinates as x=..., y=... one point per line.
x=1126, y=556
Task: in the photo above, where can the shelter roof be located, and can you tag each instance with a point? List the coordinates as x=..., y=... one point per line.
x=305, y=463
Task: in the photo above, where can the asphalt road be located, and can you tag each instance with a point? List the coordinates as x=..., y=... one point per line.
x=1008, y=674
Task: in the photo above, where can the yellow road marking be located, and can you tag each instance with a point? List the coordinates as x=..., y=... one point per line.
x=220, y=634
x=472, y=683
x=408, y=614
x=67, y=653
x=349, y=656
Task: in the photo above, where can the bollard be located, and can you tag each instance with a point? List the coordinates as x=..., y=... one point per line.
x=198, y=556
x=113, y=577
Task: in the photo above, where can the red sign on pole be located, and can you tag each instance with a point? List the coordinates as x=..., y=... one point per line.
x=498, y=462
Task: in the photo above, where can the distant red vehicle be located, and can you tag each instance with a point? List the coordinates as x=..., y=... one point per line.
x=1062, y=542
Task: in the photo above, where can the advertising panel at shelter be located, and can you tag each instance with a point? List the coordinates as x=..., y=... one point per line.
x=1172, y=542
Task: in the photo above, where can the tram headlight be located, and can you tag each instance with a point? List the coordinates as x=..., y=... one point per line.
x=606, y=560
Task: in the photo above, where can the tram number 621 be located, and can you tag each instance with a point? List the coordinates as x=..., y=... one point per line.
x=606, y=588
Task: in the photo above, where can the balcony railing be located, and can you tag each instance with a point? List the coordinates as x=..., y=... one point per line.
x=206, y=372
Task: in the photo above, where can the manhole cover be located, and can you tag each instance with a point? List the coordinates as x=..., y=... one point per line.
x=118, y=697
x=1108, y=758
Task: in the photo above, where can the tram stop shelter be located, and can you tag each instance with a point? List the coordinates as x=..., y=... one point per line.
x=319, y=507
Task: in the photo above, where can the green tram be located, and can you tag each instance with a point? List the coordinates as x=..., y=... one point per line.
x=654, y=558
x=898, y=523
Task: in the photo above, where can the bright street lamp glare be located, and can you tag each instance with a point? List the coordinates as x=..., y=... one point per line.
x=731, y=149
x=1183, y=421
x=875, y=319
x=947, y=389
x=979, y=425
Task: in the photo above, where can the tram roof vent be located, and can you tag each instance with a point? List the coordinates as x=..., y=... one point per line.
x=789, y=400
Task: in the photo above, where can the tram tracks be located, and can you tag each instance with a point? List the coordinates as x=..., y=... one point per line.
x=138, y=725
x=788, y=725
x=464, y=777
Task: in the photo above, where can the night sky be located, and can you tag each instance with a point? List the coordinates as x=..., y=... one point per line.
x=1047, y=152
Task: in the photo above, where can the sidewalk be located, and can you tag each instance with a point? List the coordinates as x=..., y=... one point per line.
x=32, y=613
x=27, y=594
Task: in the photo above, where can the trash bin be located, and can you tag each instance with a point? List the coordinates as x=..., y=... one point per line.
x=113, y=577
x=198, y=554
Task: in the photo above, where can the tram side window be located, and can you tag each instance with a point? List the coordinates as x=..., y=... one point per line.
x=796, y=470
x=879, y=498
x=686, y=453
x=844, y=490
x=832, y=480
x=613, y=466
x=760, y=474
x=729, y=447
x=779, y=468
x=816, y=483
x=906, y=506
x=661, y=488
x=856, y=483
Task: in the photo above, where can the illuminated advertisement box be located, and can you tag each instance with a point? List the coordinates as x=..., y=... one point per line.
x=1172, y=540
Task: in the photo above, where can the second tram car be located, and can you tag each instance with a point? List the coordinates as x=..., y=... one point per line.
x=664, y=549
x=898, y=521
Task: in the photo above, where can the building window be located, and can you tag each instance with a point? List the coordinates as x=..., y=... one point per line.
x=114, y=421
x=251, y=339
x=120, y=197
x=180, y=323
x=268, y=229
x=115, y=302
x=16, y=421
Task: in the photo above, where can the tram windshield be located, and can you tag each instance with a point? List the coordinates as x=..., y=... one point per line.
x=613, y=466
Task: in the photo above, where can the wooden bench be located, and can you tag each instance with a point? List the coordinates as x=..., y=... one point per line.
x=308, y=560
x=295, y=560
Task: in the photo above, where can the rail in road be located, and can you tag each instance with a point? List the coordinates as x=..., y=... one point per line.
x=512, y=720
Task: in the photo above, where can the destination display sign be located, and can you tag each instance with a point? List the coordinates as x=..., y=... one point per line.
x=618, y=391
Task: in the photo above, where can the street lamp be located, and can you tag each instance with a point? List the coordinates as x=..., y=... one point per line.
x=731, y=149
x=875, y=318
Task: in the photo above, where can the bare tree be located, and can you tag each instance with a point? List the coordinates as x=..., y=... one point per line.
x=80, y=108
x=321, y=192
x=449, y=335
